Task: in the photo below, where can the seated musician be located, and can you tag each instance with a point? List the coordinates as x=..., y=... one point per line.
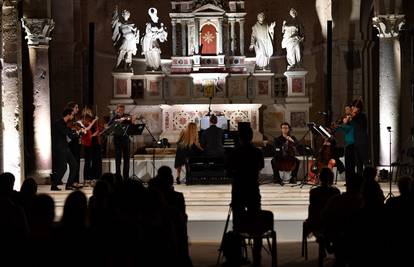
x=212, y=140
x=284, y=159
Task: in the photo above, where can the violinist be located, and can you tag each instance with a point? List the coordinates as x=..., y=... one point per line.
x=348, y=130
x=92, y=150
x=121, y=140
x=75, y=142
x=284, y=159
x=360, y=125
x=62, y=154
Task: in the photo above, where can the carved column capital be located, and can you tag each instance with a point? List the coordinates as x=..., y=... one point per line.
x=388, y=25
x=38, y=30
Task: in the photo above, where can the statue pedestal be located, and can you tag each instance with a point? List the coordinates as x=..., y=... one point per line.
x=262, y=86
x=122, y=88
x=296, y=82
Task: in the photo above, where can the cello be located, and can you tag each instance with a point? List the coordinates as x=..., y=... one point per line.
x=324, y=158
x=286, y=162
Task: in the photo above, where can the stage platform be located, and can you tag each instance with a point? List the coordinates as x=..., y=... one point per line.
x=208, y=205
x=142, y=167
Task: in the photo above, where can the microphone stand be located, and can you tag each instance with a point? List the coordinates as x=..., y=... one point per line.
x=390, y=194
x=209, y=107
x=154, y=141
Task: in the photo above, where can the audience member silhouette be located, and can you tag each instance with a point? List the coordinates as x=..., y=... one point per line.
x=41, y=223
x=13, y=223
x=335, y=218
x=318, y=197
x=243, y=167
x=175, y=206
x=400, y=221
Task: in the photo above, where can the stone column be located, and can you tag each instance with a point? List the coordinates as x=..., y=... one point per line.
x=173, y=37
x=241, y=25
x=232, y=22
x=390, y=85
x=12, y=98
x=184, y=37
x=220, y=37
x=38, y=37
x=197, y=36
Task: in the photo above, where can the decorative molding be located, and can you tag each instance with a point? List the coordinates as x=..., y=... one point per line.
x=388, y=25
x=38, y=30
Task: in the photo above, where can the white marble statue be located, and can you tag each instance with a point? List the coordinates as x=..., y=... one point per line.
x=261, y=41
x=125, y=37
x=292, y=40
x=154, y=32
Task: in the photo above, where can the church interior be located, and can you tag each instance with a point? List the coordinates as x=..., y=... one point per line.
x=171, y=63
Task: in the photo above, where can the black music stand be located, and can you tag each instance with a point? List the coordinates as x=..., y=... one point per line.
x=307, y=152
x=132, y=130
x=106, y=133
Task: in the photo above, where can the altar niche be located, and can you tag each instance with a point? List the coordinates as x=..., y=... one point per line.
x=204, y=38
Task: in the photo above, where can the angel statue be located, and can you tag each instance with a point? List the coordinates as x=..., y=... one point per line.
x=125, y=37
x=154, y=32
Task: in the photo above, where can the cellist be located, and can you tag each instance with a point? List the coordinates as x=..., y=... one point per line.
x=284, y=159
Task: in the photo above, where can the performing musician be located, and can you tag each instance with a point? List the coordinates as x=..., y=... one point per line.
x=62, y=155
x=212, y=139
x=92, y=149
x=121, y=139
x=284, y=159
x=75, y=141
x=360, y=125
x=348, y=130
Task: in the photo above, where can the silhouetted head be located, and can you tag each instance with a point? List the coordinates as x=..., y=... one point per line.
x=43, y=209
x=29, y=187
x=246, y=135
x=213, y=119
x=6, y=183
x=369, y=173
x=405, y=185
x=326, y=176
x=74, y=211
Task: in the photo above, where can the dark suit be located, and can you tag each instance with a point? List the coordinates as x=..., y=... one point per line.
x=360, y=124
x=121, y=142
x=62, y=154
x=212, y=141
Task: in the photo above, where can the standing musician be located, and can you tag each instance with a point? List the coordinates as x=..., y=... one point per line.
x=348, y=130
x=75, y=142
x=62, y=154
x=91, y=146
x=121, y=121
x=360, y=125
x=284, y=159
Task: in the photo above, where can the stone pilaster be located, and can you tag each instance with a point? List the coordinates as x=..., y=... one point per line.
x=174, y=37
x=241, y=25
x=232, y=33
x=197, y=36
x=38, y=36
x=184, y=37
x=12, y=100
x=390, y=85
x=220, y=37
